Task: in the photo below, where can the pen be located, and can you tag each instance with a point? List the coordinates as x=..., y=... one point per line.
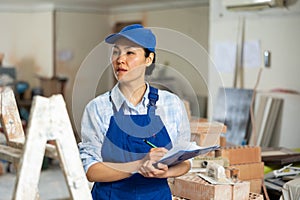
x=149, y=143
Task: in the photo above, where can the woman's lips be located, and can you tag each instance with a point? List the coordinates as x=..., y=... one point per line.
x=121, y=70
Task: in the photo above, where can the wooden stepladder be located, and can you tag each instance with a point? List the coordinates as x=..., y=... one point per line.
x=49, y=120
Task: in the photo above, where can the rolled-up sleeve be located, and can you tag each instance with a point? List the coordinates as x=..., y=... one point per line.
x=92, y=136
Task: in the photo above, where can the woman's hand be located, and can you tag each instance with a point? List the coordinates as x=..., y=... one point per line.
x=148, y=170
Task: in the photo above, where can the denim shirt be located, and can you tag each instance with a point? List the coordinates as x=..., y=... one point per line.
x=97, y=114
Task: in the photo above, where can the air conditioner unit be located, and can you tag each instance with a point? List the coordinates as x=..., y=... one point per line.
x=252, y=4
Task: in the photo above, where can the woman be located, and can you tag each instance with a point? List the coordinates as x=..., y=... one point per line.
x=118, y=126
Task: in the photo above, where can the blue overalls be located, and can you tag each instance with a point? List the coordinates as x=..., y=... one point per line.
x=124, y=142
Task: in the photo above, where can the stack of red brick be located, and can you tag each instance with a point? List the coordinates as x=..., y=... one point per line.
x=245, y=161
x=193, y=187
x=244, y=165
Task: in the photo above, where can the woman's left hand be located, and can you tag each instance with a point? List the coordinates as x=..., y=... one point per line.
x=148, y=170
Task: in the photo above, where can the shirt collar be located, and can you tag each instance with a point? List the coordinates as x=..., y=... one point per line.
x=119, y=99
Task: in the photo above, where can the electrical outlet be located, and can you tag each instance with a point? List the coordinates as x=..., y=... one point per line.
x=267, y=59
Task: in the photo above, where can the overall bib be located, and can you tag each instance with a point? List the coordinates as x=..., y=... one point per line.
x=124, y=142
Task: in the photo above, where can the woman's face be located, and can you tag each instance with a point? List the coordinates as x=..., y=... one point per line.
x=129, y=61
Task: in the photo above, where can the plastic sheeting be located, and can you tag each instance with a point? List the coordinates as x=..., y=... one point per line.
x=291, y=190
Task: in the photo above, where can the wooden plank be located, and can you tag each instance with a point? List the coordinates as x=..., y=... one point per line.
x=10, y=154
x=67, y=149
x=50, y=151
x=30, y=163
x=11, y=125
x=10, y=118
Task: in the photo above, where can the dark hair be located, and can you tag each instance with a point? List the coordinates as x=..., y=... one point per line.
x=150, y=69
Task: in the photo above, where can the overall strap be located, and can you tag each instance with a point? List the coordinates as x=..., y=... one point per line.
x=113, y=104
x=153, y=97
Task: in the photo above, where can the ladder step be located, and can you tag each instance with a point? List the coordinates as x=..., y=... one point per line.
x=50, y=151
x=10, y=154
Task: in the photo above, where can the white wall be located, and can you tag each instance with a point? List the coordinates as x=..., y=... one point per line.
x=192, y=22
x=77, y=34
x=278, y=31
x=26, y=41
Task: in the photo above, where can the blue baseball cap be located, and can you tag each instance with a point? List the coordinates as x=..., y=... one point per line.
x=137, y=34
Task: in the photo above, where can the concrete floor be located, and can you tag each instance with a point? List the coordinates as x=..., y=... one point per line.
x=52, y=184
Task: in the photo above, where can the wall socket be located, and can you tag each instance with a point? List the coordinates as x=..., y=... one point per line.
x=267, y=59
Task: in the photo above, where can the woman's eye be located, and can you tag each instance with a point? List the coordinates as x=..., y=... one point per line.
x=115, y=52
x=130, y=52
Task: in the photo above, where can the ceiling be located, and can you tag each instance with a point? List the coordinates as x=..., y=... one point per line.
x=97, y=5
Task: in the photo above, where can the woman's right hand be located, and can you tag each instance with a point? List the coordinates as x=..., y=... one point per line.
x=155, y=154
x=147, y=169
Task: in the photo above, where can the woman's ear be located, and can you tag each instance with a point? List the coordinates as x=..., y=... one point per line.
x=149, y=59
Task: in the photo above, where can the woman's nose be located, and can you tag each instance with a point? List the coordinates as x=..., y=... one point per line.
x=121, y=58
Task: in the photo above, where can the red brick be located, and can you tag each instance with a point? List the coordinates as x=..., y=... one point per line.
x=194, y=188
x=241, y=190
x=255, y=196
x=240, y=154
x=250, y=170
x=256, y=185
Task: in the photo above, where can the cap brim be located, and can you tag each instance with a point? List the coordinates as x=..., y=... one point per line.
x=131, y=35
x=111, y=39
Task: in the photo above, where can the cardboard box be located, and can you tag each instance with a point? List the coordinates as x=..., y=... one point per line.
x=240, y=154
